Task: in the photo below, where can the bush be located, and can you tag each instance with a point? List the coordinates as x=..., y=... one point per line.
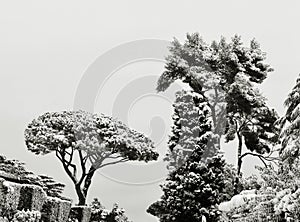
x=27, y=216
x=100, y=214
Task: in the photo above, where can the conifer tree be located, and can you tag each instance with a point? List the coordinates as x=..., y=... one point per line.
x=290, y=125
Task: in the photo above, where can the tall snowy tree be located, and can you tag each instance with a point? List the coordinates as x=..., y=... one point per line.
x=95, y=140
x=226, y=74
x=199, y=182
x=290, y=125
x=189, y=120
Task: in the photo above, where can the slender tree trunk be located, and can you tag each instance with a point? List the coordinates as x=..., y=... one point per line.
x=239, y=157
x=80, y=194
x=88, y=180
x=239, y=163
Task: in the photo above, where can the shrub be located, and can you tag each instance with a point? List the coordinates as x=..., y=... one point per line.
x=100, y=214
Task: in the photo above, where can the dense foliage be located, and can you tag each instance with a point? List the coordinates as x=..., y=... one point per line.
x=192, y=190
x=290, y=129
x=191, y=122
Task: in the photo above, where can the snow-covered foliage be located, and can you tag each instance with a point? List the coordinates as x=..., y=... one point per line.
x=238, y=200
x=191, y=122
x=226, y=74
x=194, y=186
x=27, y=216
x=96, y=135
x=100, y=214
x=15, y=170
x=277, y=198
x=97, y=140
x=290, y=123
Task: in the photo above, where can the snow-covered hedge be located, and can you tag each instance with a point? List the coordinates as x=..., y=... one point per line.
x=26, y=200
x=9, y=195
x=55, y=210
x=32, y=197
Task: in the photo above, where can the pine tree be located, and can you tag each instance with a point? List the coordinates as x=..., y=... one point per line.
x=96, y=140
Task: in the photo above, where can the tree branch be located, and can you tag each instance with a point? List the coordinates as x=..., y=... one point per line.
x=261, y=157
x=114, y=162
x=83, y=168
x=73, y=178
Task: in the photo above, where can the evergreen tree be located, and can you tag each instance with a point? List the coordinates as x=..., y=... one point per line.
x=199, y=183
x=191, y=190
x=290, y=125
x=190, y=119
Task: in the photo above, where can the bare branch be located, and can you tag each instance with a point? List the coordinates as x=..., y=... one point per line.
x=114, y=162
x=261, y=157
x=59, y=156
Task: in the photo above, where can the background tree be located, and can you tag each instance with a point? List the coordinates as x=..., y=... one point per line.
x=96, y=140
x=227, y=74
x=290, y=122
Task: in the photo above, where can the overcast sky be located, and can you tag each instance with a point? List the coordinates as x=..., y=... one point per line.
x=46, y=47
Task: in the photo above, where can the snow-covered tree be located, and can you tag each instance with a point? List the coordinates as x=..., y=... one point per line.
x=191, y=121
x=96, y=141
x=192, y=191
x=226, y=74
x=290, y=122
x=195, y=187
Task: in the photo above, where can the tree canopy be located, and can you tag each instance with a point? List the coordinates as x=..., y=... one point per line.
x=96, y=140
x=226, y=74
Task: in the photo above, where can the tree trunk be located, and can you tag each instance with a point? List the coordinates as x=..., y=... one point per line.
x=80, y=194
x=239, y=160
x=239, y=163
x=88, y=180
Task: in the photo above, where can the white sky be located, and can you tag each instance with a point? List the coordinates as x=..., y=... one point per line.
x=45, y=47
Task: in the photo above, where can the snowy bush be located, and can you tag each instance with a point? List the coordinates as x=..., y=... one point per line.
x=100, y=214
x=27, y=216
